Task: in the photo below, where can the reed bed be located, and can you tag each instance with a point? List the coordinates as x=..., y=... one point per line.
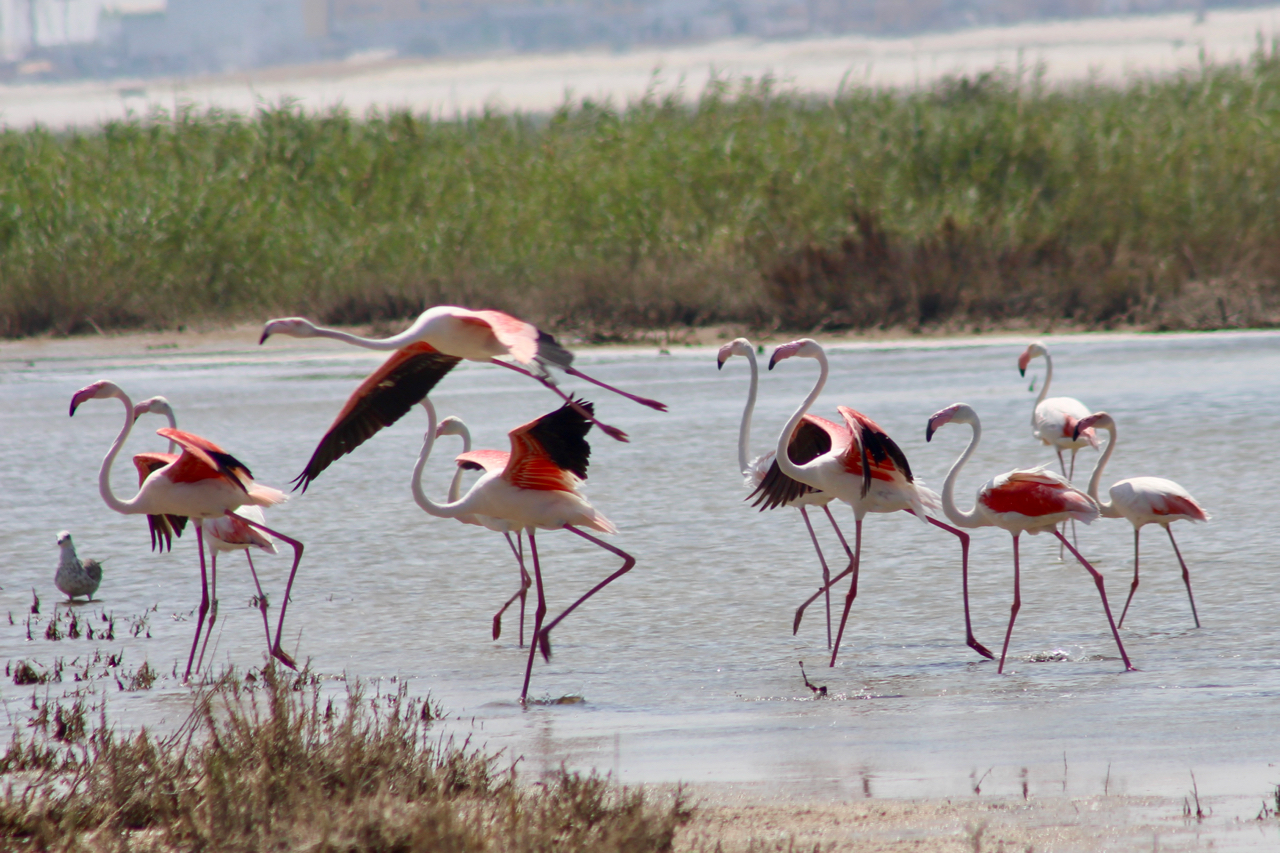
x=263, y=763
x=990, y=200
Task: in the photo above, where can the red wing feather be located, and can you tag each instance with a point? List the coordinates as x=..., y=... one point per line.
x=1034, y=498
x=148, y=463
x=1178, y=505
x=381, y=400
x=486, y=460
x=201, y=459
x=551, y=453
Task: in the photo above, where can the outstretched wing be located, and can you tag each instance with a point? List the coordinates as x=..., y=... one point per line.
x=381, y=400
x=812, y=437
x=551, y=453
x=201, y=459
x=881, y=458
x=163, y=527
x=483, y=460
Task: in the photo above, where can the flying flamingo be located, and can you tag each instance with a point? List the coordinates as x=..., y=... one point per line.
x=1143, y=500
x=535, y=490
x=427, y=350
x=224, y=533
x=871, y=474
x=1021, y=501
x=492, y=460
x=1053, y=421
x=813, y=437
x=203, y=482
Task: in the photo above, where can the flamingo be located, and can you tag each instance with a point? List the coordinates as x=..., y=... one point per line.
x=813, y=437
x=1143, y=500
x=871, y=474
x=1020, y=501
x=535, y=490
x=203, y=482
x=223, y=533
x=1053, y=421
x=74, y=578
x=492, y=460
x=423, y=353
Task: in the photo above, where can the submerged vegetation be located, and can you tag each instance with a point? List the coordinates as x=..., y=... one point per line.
x=265, y=764
x=986, y=200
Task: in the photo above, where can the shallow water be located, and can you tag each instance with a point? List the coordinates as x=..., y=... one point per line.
x=687, y=665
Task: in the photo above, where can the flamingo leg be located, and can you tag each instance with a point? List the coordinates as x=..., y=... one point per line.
x=795, y=625
x=1017, y=600
x=853, y=587
x=277, y=652
x=826, y=572
x=525, y=582
x=1133, y=587
x=204, y=600
x=611, y=431
x=213, y=606
x=644, y=401
x=262, y=597
x=541, y=638
x=1097, y=580
x=970, y=640
x=538, y=614
x=1063, y=466
x=1186, y=575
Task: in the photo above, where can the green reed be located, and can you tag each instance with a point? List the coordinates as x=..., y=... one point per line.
x=991, y=199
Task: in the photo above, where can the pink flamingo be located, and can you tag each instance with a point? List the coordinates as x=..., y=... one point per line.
x=535, y=490
x=812, y=437
x=203, y=482
x=1143, y=500
x=426, y=351
x=485, y=460
x=871, y=474
x=1021, y=501
x=223, y=533
x=1053, y=421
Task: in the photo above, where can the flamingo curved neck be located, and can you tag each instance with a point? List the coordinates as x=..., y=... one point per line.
x=455, y=487
x=1044, y=389
x=972, y=518
x=744, y=431
x=782, y=457
x=1108, y=508
x=173, y=424
x=128, y=507
x=394, y=342
x=451, y=509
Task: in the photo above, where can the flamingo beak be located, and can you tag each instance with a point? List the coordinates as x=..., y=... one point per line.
x=266, y=333
x=937, y=420
x=725, y=353
x=784, y=351
x=86, y=393
x=1083, y=426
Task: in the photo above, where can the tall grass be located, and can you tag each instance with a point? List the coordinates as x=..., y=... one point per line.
x=981, y=200
x=265, y=765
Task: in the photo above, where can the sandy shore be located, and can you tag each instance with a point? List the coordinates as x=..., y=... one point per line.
x=1107, y=49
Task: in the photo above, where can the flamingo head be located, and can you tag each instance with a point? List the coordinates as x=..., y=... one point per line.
x=294, y=327
x=1085, y=426
x=737, y=346
x=804, y=347
x=955, y=413
x=451, y=426
x=97, y=391
x=1031, y=352
x=153, y=406
x=64, y=539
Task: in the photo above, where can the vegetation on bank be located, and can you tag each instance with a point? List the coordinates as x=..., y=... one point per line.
x=265, y=764
x=981, y=201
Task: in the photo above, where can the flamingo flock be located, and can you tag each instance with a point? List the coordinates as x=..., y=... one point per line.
x=535, y=485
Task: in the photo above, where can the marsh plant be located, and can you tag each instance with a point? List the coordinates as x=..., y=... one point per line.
x=266, y=763
x=993, y=199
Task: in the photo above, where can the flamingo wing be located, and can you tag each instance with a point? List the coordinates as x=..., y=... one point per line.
x=551, y=453
x=381, y=400
x=812, y=437
x=1144, y=500
x=163, y=527
x=881, y=457
x=483, y=460
x=525, y=342
x=1035, y=493
x=201, y=459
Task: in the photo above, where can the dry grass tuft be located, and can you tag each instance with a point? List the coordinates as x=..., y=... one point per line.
x=264, y=764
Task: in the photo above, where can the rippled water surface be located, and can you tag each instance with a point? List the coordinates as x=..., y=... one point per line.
x=687, y=665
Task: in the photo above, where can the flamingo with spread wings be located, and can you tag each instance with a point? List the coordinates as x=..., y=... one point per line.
x=1143, y=501
x=423, y=353
x=813, y=437
x=870, y=473
x=1020, y=501
x=204, y=481
x=536, y=489
x=223, y=533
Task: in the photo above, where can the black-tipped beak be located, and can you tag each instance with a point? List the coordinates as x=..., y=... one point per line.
x=773, y=359
x=719, y=363
x=72, y=413
x=265, y=335
x=1022, y=371
x=1075, y=434
x=928, y=432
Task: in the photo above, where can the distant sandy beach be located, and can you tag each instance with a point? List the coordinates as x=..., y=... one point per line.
x=1106, y=49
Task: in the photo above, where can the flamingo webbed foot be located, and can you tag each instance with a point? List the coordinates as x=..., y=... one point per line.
x=613, y=432
x=284, y=657
x=544, y=645
x=973, y=643
x=497, y=624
